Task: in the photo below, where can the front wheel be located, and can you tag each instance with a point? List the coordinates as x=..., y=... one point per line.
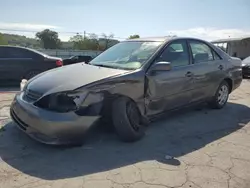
x=221, y=96
x=127, y=120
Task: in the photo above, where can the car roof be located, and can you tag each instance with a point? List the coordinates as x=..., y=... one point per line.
x=162, y=39
x=151, y=39
x=11, y=46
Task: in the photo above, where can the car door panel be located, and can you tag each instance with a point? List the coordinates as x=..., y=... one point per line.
x=4, y=66
x=19, y=67
x=168, y=90
x=171, y=89
x=208, y=70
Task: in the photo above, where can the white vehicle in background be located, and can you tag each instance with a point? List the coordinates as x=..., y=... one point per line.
x=235, y=47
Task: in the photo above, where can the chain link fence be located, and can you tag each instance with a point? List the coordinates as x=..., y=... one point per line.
x=68, y=53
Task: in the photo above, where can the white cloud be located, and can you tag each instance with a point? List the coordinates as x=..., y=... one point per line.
x=29, y=30
x=25, y=26
x=210, y=33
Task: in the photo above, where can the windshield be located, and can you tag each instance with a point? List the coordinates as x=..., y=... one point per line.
x=129, y=55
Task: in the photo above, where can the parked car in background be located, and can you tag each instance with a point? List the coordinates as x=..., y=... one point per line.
x=129, y=84
x=17, y=63
x=246, y=67
x=77, y=59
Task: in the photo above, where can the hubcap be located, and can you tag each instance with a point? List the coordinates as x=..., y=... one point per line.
x=223, y=95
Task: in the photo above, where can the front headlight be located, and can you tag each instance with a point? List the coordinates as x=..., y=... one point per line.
x=63, y=101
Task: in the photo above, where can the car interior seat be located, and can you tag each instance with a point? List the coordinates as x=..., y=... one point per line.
x=201, y=57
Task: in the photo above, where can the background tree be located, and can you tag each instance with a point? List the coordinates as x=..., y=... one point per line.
x=78, y=42
x=85, y=43
x=92, y=42
x=49, y=39
x=134, y=36
x=2, y=40
x=107, y=40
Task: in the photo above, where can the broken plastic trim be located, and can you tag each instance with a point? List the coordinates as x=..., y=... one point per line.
x=62, y=102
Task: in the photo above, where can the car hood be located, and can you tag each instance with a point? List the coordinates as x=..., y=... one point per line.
x=246, y=61
x=70, y=77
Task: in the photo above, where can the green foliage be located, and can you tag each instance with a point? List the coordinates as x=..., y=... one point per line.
x=49, y=39
x=20, y=40
x=92, y=42
x=85, y=43
x=134, y=36
x=3, y=41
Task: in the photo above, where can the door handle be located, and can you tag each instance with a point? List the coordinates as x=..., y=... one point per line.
x=221, y=67
x=189, y=74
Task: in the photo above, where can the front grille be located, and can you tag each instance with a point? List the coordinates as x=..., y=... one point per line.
x=19, y=122
x=30, y=95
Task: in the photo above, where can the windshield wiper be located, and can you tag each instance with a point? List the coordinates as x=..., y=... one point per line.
x=103, y=65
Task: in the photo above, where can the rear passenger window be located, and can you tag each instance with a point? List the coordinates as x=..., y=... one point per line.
x=176, y=53
x=16, y=53
x=19, y=53
x=201, y=52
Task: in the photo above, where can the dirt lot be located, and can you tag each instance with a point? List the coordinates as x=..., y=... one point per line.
x=211, y=149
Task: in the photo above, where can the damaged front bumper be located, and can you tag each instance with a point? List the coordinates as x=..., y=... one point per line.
x=52, y=127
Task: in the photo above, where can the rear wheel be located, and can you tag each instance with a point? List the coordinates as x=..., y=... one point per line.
x=127, y=120
x=221, y=96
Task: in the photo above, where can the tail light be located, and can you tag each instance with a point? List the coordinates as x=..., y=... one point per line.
x=59, y=63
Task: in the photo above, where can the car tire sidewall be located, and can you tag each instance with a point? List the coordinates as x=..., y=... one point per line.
x=122, y=123
x=216, y=102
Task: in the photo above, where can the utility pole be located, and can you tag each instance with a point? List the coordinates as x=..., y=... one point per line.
x=84, y=34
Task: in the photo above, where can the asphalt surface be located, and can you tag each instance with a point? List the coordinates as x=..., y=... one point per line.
x=199, y=148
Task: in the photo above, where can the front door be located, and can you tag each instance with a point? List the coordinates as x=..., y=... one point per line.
x=171, y=89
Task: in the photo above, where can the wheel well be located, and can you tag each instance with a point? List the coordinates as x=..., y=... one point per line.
x=107, y=106
x=110, y=99
x=230, y=83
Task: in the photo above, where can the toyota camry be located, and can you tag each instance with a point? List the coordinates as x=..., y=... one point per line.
x=128, y=85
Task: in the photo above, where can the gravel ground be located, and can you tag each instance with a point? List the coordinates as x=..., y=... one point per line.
x=210, y=149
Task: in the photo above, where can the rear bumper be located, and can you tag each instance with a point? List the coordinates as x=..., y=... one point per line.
x=50, y=127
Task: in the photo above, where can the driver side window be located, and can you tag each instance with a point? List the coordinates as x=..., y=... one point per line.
x=176, y=53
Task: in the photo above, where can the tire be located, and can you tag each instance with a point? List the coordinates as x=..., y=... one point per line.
x=31, y=74
x=127, y=120
x=221, y=96
x=244, y=77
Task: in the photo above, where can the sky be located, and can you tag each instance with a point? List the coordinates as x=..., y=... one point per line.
x=206, y=19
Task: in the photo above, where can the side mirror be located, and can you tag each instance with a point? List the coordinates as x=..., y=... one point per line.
x=161, y=66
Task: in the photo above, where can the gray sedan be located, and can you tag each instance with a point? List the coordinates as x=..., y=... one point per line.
x=127, y=85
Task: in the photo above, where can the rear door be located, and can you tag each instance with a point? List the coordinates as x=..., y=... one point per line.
x=20, y=61
x=4, y=66
x=208, y=69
